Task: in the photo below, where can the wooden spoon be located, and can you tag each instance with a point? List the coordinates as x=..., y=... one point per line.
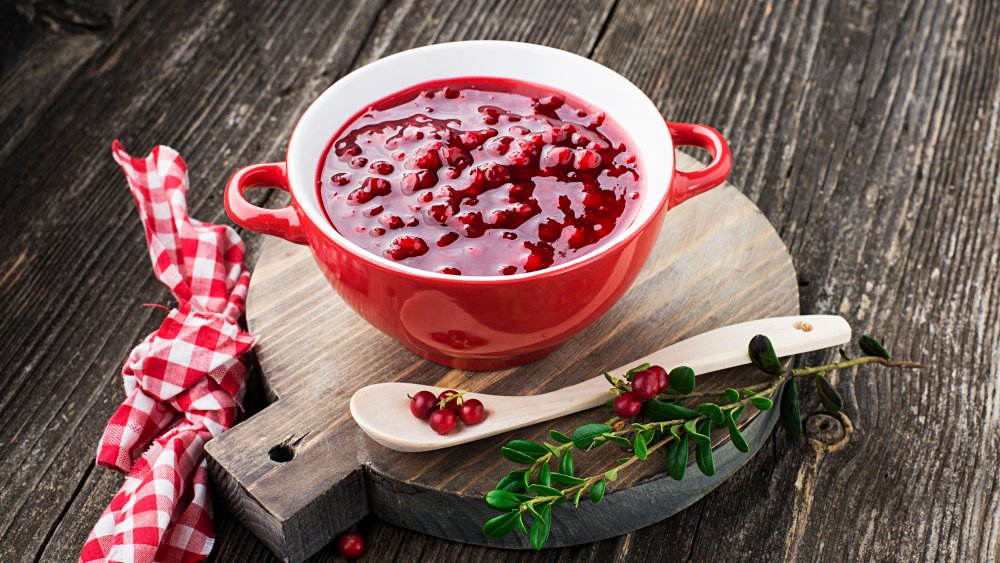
x=382, y=410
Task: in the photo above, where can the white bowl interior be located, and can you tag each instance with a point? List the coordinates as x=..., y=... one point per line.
x=592, y=82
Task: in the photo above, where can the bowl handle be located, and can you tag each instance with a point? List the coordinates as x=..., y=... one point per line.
x=686, y=185
x=284, y=222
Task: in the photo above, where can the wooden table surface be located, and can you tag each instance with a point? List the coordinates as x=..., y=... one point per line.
x=867, y=132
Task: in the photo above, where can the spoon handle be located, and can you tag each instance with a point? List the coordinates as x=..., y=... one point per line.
x=714, y=350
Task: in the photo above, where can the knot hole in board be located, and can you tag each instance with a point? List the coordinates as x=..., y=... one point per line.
x=285, y=451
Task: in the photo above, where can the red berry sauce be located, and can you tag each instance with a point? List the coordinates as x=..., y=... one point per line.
x=480, y=176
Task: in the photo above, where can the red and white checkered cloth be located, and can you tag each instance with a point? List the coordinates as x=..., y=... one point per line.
x=184, y=382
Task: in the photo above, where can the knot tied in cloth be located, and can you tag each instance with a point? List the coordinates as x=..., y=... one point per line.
x=184, y=382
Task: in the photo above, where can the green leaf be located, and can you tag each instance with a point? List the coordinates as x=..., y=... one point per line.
x=703, y=451
x=526, y=446
x=677, y=457
x=583, y=437
x=647, y=435
x=762, y=355
x=676, y=430
x=713, y=412
x=660, y=411
x=734, y=433
x=611, y=475
x=559, y=437
x=512, y=482
x=516, y=456
x=500, y=526
x=534, y=510
x=545, y=475
x=576, y=499
x=544, y=490
x=566, y=463
x=737, y=412
x=520, y=523
x=567, y=480
x=691, y=427
x=618, y=440
x=504, y=500
x=731, y=395
x=828, y=395
x=635, y=370
x=597, y=491
x=540, y=527
x=872, y=347
x=682, y=379
x=554, y=450
x=762, y=403
x=610, y=405
x=640, y=447
x=791, y=418
x=523, y=451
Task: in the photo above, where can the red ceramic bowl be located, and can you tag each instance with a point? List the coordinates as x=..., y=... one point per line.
x=479, y=322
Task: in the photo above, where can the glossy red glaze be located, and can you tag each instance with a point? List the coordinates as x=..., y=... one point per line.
x=284, y=223
x=478, y=323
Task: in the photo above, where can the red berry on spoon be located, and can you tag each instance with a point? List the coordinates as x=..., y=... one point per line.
x=451, y=404
x=626, y=405
x=645, y=385
x=443, y=421
x=423, y=404
x=472, y=411
x=351, y=545
x=662, y=378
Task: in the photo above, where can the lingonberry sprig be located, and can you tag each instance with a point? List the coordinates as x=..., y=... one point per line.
x=653, y=412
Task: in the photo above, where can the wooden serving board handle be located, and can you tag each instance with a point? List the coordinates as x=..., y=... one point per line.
x=300, y=471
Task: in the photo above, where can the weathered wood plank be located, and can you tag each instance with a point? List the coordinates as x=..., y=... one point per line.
x=44, y=44
x=75, y=272
x=882, y=116
x=889, y=112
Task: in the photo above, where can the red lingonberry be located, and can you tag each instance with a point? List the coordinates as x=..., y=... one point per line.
x=587, y=159
x=443, y=421
x=557, y=156
x=382, y=167
x=406, y=246
x=423, y=404
x=351, y=545
x=452, y=404
x=626, y=405
x=662, y=378
x=472, y=411
x=645, y=385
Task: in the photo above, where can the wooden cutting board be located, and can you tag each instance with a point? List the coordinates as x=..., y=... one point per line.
x=300, y=471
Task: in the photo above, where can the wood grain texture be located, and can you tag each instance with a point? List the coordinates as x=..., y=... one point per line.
x=717, y=262
x=865, y=131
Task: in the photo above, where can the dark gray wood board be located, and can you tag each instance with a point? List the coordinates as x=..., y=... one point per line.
x=718, y=261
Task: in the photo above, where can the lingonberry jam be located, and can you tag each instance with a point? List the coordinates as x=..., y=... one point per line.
x=480, y=176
